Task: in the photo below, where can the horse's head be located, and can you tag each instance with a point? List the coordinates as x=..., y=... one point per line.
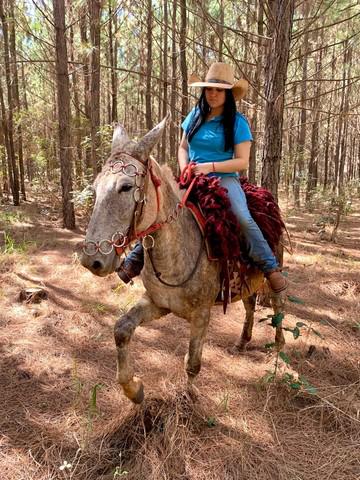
x=121, y=189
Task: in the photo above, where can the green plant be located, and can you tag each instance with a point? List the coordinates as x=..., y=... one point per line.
x=288, y=378
x=297, y=383
x=120, y=473
x=100, y=307
x=77, y=383
x=224, y=402
x=83, y=198
x=11, y=246
x=11, y=217
x=211, y=422
x=93, y=410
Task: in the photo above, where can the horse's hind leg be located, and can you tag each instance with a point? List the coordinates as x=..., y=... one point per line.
x=198, y=328
x=143, y=311
x=278, y=305
x=246, y=334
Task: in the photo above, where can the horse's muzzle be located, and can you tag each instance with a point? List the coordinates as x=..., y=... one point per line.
x=98, y=264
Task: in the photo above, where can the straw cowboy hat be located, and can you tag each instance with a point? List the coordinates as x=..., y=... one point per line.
x=221, y=75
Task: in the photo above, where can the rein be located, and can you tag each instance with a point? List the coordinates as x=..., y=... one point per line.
x=146, y=234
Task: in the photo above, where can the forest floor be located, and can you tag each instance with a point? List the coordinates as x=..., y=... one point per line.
x=63, y=416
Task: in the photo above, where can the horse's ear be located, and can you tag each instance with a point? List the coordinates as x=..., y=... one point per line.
x=148, y=142
x=120, y=137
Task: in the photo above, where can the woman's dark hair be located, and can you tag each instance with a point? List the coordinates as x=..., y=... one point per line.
x=228, y=118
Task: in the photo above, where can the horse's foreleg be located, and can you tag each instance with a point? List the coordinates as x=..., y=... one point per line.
x=198, y=328
x=143, y=311
x=246, y=334
x=278, y=305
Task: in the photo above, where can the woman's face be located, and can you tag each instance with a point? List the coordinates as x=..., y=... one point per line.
x=215, y=97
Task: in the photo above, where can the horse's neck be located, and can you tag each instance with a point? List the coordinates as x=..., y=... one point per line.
x=177, y=240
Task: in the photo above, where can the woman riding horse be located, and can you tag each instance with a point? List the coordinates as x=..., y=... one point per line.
x=217, y=139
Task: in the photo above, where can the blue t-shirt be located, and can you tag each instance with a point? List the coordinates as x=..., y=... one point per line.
x=208, y=143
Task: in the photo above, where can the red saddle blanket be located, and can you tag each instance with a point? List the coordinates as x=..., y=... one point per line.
x=220, y=226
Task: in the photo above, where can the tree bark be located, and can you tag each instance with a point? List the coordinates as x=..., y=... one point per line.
x=148, y=92
x=312, y=177
x=29, y=161
x=343, y=139
x=86, y=78
x=221, y=30
x=14, y=178
x=282, y=12
x=300, y=153
x=173, y=85
x=77, y=122
x=8, y=177
x=95, y=12
x=255, y=97
x=63, y=102
x=17, y=106
x=165, y=74
x=183, y=68
x=113, y=62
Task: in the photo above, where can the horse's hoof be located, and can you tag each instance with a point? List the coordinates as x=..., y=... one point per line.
x=134, y=390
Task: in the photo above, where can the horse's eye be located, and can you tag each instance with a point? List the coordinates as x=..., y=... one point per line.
x=125, y=188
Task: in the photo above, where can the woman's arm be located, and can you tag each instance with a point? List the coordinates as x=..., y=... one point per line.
x=183, y=153
x=236, y=164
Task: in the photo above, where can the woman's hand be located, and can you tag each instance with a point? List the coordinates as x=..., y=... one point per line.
x=204, y=168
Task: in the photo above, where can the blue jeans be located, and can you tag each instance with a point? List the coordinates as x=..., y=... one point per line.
x=258, y=249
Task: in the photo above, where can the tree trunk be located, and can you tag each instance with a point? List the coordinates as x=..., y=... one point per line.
x=312, y=178
x=326, y=159
x=63, y=102
x=86, y=79
x=8, y=178
x=282, y=12
x=165, y=74
x=10, y=120
x=300, y=154
x=113, y=62
x=340, y=131
x=29, y=163
x=344, y=142
x=183, y=68
x=221, y=30
x=290, y=170
x=148, y=92
x=15, y=81
x=255, y=97
x=95, y=11
x=173, y=86
x=77, y=123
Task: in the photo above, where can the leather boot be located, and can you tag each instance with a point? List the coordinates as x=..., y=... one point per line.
x=277, y=281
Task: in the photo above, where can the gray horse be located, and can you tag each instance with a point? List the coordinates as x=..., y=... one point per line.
x=136, y=198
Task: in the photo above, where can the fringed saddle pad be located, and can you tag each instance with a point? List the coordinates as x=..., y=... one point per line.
x=210, y=205
x=265, y=211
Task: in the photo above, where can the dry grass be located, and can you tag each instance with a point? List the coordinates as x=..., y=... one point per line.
x=56, y=354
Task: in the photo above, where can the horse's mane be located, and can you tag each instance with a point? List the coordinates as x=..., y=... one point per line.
x=168, y=175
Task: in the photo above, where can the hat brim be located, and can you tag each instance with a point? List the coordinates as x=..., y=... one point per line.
x=211, y=84
x=239, y=88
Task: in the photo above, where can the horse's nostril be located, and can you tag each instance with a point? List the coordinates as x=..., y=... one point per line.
x=96, y=265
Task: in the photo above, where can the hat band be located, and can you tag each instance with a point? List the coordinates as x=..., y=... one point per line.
x=215, y=80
